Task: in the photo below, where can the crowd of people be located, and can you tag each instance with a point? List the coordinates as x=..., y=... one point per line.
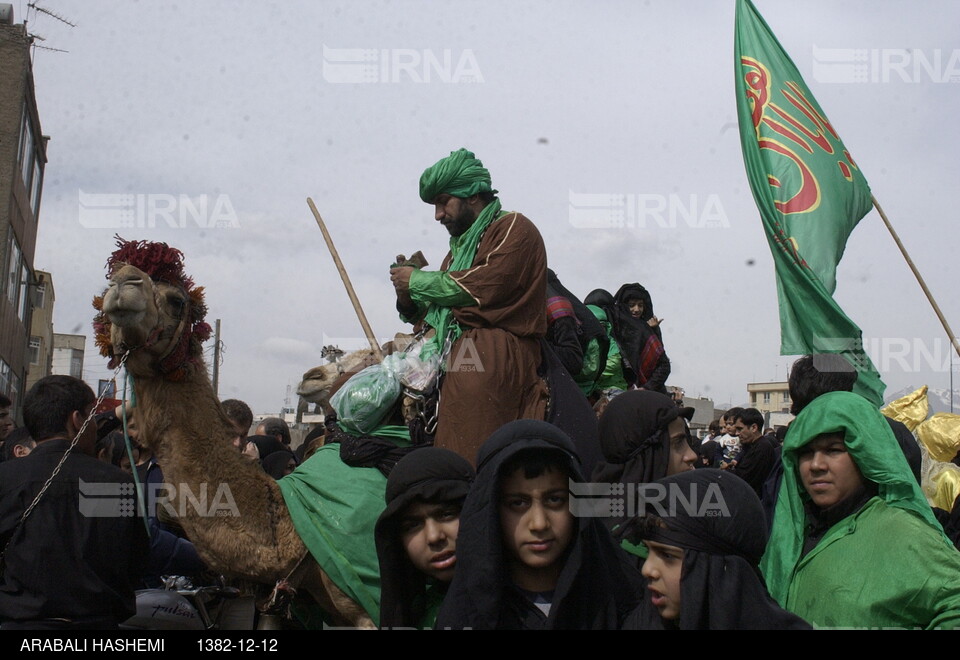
x=560, y=488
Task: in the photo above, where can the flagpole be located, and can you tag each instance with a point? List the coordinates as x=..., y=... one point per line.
x=374, y=345
x=923, y=285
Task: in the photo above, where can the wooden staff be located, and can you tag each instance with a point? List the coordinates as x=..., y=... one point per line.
x=923, y=285
x=346, y=282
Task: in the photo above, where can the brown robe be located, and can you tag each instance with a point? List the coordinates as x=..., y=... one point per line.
x=491, y=376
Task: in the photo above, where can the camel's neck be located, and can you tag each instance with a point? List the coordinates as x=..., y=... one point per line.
x=231, y=510
x=180, y=420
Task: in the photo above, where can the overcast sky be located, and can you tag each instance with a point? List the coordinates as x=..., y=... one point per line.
x=251, y=107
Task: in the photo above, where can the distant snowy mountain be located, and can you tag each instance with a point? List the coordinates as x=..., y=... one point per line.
x=939, y=399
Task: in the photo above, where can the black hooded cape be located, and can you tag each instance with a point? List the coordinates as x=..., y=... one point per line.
x=429, y=474
x=723, y=535
x=596, y=587
x=645, y=361
x=636, y=290
x=634, y=440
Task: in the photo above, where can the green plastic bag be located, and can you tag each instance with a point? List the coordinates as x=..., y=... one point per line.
x=367, y=399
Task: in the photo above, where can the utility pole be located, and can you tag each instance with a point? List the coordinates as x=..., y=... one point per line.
x=216, y=360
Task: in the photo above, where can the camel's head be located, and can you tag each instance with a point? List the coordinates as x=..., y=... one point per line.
x=316, y=384
x=152, y=309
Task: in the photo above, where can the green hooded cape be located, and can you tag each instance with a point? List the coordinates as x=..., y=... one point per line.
x=850, y=550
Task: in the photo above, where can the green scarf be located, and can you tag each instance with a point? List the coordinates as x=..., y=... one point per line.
x=461, y=174
x=873, y=447
x=463, y=250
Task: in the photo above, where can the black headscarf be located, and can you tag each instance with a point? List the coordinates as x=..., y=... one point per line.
x=266, y=445
x=641, y=346
x=630, y=291
x=634, y=439
x=596, y=587
x=276, y=463
x=723, y=535
x=429, y=474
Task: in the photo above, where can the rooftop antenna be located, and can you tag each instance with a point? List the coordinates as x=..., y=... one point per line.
x=42, y=10
x=56, y=50
x=33, y=36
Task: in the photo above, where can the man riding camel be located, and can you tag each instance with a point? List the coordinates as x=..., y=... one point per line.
x=487, y=298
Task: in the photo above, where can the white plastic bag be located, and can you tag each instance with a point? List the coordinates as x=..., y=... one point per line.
x=420, y=374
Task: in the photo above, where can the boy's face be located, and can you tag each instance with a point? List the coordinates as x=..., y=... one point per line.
x=239, y=434
x=663, y=569
x=729, y=426
x=428, y=531
x=827, y=471
x=537, y=526
x=6, y=422
x=682, y=457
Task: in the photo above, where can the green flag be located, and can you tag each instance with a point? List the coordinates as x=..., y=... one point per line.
x=810, y=193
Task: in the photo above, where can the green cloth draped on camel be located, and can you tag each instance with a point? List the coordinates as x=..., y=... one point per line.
x=334, y=508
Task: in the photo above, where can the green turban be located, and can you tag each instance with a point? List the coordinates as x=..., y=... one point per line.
x=461, y=174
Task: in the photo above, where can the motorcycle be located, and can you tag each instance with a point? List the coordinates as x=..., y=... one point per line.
x=180, y=605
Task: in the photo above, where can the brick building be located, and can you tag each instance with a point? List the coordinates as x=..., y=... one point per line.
x=22, y=161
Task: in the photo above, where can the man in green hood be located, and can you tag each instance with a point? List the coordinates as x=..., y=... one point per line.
x=487, y=300
x=854, y=542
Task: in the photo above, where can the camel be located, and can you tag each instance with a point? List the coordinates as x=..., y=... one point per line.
x=317, y=383
x=154, y=314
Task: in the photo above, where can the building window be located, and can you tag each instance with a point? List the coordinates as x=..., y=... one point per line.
x=4, y=377
x=14, y=392
x=766, y=397
x=76, y=363
x=34, y=350
x=27, y=149
x=40, y=296
x=35, y=191
x=13, y=269
x=22, y=300
x=786, y=397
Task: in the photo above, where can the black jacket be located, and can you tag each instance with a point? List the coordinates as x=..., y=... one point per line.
x=80, y=553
